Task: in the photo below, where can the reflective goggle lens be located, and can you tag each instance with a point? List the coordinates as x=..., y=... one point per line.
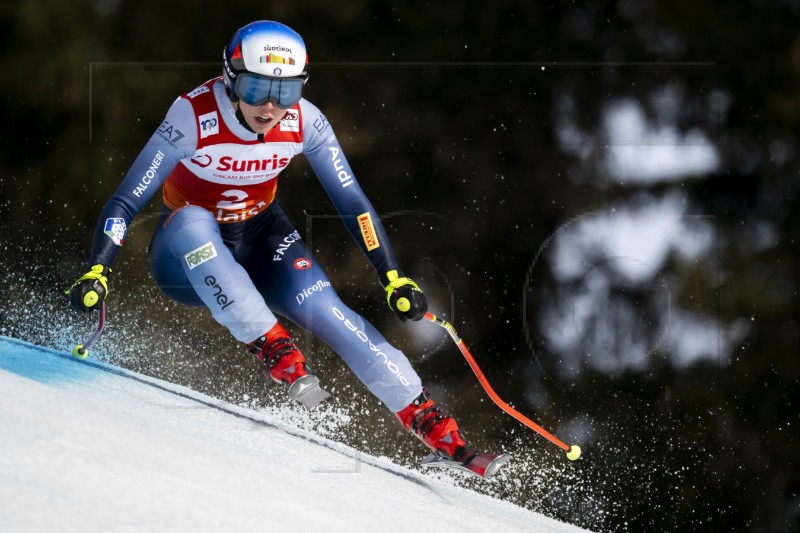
x=255, y=90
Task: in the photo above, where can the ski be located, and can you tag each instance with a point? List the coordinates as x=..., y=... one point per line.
x=477, y=463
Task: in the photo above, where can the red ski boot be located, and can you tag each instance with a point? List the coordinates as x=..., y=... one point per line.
x=434, y=426
x=284, y=363
x=437, y=428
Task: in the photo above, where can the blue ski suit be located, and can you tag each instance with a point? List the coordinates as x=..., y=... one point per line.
x=223, y=240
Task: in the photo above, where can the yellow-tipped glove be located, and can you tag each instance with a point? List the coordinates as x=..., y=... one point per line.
x=86, y=294
x=404, y=297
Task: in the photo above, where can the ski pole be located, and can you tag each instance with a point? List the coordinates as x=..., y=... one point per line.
x=82, y=350
x=573, y=452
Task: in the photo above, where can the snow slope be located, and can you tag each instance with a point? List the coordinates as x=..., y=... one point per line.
x=86, y=446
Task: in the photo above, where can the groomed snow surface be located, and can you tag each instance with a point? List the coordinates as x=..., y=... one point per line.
x=86, y=446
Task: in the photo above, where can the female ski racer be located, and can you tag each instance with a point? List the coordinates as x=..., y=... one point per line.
x=223, y=240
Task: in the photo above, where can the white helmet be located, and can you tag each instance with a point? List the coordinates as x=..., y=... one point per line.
x=263, y=61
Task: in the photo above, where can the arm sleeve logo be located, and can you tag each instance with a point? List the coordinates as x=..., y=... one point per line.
x=368, y=231
x=115, y=228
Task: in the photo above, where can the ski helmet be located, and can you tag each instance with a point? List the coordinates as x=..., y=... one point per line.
x=265, y=60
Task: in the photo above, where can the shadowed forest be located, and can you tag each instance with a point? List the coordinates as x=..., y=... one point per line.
x=602, y=197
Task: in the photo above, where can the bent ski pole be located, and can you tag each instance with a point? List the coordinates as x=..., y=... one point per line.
x=573, y=452
x=82, y=350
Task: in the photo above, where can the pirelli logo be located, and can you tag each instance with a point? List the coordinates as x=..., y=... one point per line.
x=200, y=255
x=368, y=231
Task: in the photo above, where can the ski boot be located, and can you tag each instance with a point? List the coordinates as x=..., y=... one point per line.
x=439, y=431
x=434, y=426
x=284, y=363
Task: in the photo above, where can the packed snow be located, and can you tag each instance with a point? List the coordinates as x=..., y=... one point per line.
x=86, y=446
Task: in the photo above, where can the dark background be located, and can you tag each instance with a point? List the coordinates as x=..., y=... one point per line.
x=481, y=131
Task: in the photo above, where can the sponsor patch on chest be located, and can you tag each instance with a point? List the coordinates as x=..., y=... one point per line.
x=290, y=121
x=209, y=124
x=239, y=164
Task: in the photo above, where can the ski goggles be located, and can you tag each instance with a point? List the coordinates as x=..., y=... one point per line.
x=254, y=90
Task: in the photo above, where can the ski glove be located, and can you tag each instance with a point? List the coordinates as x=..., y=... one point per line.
x=86, y=294
x=404, y=297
